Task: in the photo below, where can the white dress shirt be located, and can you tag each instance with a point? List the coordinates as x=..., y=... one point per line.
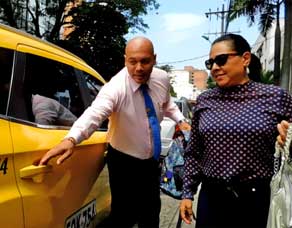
x=121, y=100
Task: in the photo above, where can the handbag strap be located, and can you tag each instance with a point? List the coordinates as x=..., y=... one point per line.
x=282, y=153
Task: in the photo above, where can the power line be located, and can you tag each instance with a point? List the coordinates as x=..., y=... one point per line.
x=222, y=15
x=181, y=61
x=202, y=56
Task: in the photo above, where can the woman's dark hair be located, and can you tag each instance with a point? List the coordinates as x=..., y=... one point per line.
x=238, y=43
x=255, y=68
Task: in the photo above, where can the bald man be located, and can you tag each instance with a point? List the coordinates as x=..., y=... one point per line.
x=133, y=172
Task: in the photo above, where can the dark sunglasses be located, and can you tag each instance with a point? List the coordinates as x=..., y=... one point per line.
x=220, y=60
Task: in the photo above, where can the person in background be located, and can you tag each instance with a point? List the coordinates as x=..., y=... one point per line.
x=134, y=173
x=230, y=152
x=48, y=111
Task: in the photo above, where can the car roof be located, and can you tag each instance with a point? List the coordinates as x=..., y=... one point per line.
x=21, y=41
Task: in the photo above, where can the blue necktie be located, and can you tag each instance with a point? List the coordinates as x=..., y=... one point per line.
x=153, y=121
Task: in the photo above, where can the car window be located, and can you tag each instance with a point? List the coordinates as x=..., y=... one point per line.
x=6, y=63
x=55, y=93
x=93, y=84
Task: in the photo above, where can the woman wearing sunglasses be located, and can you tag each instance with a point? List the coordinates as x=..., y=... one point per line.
x=230, y=153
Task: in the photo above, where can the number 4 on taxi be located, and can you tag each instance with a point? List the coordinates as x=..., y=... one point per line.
x=3, y=165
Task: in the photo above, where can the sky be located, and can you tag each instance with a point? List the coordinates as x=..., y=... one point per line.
x=177, y=27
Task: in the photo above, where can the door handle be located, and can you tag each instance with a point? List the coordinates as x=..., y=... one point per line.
x=35, y=172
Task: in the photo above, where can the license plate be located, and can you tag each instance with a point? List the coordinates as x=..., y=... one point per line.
x=83, y=217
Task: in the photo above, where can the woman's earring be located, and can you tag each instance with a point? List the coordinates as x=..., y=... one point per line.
x=247, y=70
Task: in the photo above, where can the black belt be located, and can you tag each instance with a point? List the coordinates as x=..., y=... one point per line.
x=238, y=187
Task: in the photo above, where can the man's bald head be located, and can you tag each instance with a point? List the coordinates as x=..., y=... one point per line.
x=140, y=58
x=140, y=43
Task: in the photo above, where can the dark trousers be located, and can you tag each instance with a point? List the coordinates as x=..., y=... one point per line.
x=242, y=206
x=134, y=185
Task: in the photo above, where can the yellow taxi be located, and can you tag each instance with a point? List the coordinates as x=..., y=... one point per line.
x=74, y=194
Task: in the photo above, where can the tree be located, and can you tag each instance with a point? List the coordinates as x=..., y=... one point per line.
x=98, y=37
x=167, y=68
x=286, y=74
x=45, y=18
x=100, y=26
x=133, y=10
x=267, y=77
x=40, y=18
x=211, y=83
x=269, y=11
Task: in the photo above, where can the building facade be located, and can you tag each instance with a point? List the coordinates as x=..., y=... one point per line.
x=189, y=82
x=264, y=47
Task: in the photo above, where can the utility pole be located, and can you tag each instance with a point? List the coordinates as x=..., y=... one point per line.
x=222, y=14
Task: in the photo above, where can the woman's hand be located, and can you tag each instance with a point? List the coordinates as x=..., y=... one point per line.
x=282, y=128
x=186, y=211
x=184, y=126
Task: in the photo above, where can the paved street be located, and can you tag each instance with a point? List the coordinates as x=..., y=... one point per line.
x=169, y=208
x=170, y=212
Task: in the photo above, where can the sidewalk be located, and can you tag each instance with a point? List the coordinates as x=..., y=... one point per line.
x=170, y=212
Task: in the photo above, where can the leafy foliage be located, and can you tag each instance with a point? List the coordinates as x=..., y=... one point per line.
x=267, y=77
x=166, y=67
x=100, y=26
x=266, y=9
x=132, y=10
x=38, y=17
x=267, y=17
x=172, y=92
x=211, y=83
x=99, y=37
x=43, y=18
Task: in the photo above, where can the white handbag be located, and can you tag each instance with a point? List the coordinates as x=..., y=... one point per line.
x=280, y=211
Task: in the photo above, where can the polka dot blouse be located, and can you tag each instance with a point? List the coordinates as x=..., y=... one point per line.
x=233, y=134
